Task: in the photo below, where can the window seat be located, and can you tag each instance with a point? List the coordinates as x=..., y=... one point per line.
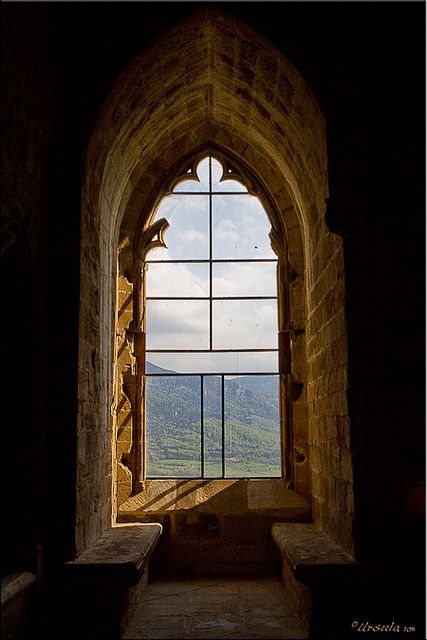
x=319, y=576
x=104, y=584
x=18, y=599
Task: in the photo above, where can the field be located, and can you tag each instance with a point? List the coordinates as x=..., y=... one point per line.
x=187, y=469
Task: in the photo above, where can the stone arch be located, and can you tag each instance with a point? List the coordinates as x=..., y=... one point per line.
x=213, y=80
x=134, y=234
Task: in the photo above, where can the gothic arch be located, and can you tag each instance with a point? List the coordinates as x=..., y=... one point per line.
x=212, y=80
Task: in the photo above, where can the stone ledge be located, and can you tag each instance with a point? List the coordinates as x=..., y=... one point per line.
x=18, y=606
x=13, y=585
x=227, y=496
x=122, y=553
x=311, y=553
x=320, y=578
x=104, y=585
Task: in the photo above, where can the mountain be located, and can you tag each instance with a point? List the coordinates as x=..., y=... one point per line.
x=173, y=419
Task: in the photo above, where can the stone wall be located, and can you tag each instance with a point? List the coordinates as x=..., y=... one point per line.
x=40, y=290
x=24, y=275
x=216, y=527
x=330, y=457
x=252, y=104
x=263, y=136
x=95, y=377
x=373, y=101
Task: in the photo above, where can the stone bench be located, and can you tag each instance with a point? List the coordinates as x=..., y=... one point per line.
x=18, y=606
x=104, y=584
x=319, y=577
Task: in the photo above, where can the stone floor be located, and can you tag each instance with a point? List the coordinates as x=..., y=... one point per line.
x=214, y=608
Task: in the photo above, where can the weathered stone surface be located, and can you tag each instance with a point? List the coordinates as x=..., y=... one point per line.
x=122, y=552
x=310, y=551
x=157, y=496
x=320, y=579
x=225, y=100
x=12, y=586
x=264, y=495
x=18, y=606
x=218, y=558
x=66, y=462
x=216, y=496
x=219, y=496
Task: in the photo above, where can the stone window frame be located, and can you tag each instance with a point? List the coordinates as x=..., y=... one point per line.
x=258, y=108
x=156, y=231
x=132, y=259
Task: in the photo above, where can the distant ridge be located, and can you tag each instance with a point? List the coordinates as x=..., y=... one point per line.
x=173, y=421
x=153, y=368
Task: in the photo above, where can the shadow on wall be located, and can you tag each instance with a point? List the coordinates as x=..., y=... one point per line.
x=238, y=497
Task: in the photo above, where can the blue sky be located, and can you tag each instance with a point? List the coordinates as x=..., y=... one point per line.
x=240, y=229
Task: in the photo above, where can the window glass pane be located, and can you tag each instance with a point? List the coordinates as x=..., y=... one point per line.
x=252, y=427
x=175, y=399
x=212, y=422
x=226, y=184
x=173, y=423
x=175, y=280
x=240, y=228
x=177, y=324
x=236, y=362
x=188, y=233
x=244, y=324
x=244, y=279
x=202, y=182
x=189, y=184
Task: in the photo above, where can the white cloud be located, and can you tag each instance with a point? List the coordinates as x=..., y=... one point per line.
x=245, y=324
x=170, y=279
x=177, y=324
x=266, y=362
x=240, y=227
x=240, y=279
x=187, y=236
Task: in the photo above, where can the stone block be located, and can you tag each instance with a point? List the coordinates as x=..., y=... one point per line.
x=246, y=528
x=105, y=582
x=124, y=490
x=18, y=606
x=264, y=495
x=220, y=496
x=157, y=496
x=196, y=526
x=218, y=558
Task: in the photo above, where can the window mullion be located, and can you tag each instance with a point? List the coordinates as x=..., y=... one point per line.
x=202, y=429
x=204, y=367
x=210, y=257
x=223, y=424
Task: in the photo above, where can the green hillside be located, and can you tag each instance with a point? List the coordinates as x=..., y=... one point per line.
x=252, y=440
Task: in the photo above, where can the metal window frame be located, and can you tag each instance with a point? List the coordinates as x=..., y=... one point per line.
x=202, y=377
x=211, y=261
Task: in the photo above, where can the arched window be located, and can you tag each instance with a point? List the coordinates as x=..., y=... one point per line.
x=209, y=316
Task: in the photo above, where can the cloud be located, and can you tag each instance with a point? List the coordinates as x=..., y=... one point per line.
x=170, y=279
x=240, y=279
x=245, y=324
x=237, y=324
x=240, y=231
x=177, y=324
x=188, y=234
x=240, y=228
x=264, y=362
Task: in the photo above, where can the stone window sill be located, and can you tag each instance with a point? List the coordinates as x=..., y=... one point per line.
x=237, y=497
